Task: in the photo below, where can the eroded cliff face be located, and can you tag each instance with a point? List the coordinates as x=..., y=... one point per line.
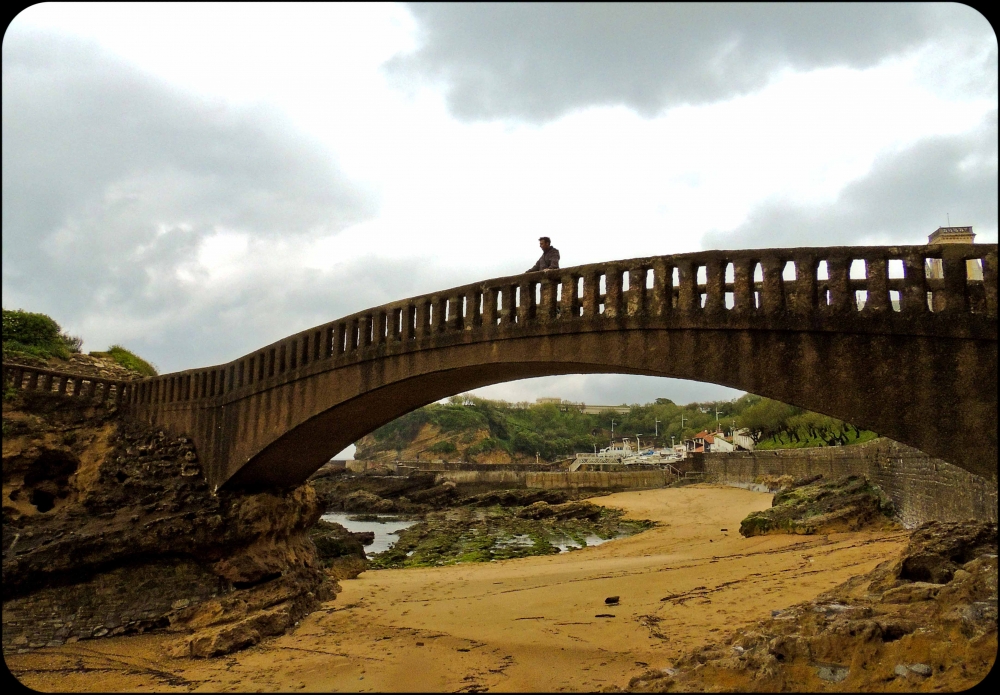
x=109, y=527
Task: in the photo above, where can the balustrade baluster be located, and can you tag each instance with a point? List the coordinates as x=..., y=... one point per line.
x=914, y=296
x=688, y=300
x=591, y=293
x=62, y=386
x=841, y=296
x=877, y=273
x=773, y=290
x=613, y=290
x=663, y=288
x=568, y=305
x=409, y=322
x=440, y=312
x=330, y=334
x=636, y=301
x=548, y=308
x=454, y=322
x=525, y=301
x=423, y=318
x=379, y=320
x=955, y=280
x=715, y=285
x=473, y=314
x=16, y=377
x=490, y=312
x=804, y=298
x=32, y=381
x=990, y=282
x=743, y=285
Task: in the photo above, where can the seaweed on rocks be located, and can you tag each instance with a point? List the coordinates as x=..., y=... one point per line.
x=478, y=534
x=814, y=505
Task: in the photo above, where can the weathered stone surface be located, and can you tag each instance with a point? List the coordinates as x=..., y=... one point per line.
x=333, y=540
x=569, y=510
x=861, y=635
x=846, y=504
x=922, y=488
x=515, y=498
x=129, y=541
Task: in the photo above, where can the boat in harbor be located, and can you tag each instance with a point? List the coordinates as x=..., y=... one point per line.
x=625, y=455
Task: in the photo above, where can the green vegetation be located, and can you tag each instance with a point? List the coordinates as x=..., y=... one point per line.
x=497, y=533
x=557, y=431
x=846, y=504
x=36, y=335
x=129, y=360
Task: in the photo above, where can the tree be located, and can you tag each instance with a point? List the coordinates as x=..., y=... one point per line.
x=766, y=418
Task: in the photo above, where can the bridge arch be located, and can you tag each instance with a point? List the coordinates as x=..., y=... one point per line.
x=887, y=354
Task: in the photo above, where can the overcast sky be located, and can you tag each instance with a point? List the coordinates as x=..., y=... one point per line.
x=196, y=181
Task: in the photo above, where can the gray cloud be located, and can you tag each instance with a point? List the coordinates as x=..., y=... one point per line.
x=537, y=62
x=904, y=197
x=112, y=179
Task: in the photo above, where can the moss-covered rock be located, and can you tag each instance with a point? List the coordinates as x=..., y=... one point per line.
x=814, y=506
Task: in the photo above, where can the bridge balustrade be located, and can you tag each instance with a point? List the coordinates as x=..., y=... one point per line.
x=26, y=378
x=809, y=283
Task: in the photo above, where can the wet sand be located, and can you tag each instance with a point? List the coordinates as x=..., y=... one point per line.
x=530, y=624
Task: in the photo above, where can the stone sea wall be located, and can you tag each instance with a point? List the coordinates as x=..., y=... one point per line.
x=922, y=488
x=598, y=480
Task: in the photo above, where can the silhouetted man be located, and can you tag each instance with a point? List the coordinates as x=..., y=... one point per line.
x=550, y=256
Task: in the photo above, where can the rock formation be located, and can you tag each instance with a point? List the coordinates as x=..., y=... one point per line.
x=924, y=621
x=109, y=528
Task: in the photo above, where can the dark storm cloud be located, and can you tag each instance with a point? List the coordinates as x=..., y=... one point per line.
x=539, y=61
x=112, y=178
x=904, y=197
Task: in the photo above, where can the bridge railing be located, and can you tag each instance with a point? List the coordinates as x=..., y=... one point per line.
x=25, y=378
x=841, y=281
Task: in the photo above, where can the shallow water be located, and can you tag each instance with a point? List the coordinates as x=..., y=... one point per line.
x=566, y=544
x=385, y=530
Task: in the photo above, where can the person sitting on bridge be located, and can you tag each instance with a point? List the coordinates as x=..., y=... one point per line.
x=550, y=256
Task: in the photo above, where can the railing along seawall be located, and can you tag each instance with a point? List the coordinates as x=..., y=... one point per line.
x=816, y=284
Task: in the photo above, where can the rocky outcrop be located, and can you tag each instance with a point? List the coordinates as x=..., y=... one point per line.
x=109, y=527
x=569, y=510
x=515, y=497
x=814, y=505
x=895, y=628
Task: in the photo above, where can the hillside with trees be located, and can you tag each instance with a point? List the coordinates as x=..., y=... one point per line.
x=478, y=430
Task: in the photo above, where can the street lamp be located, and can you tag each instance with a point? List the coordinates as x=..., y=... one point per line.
x=612, y=431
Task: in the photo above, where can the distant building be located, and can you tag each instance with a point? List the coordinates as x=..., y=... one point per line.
x=935, y=271
x=737, y=440
x=700, y=443
x=952, y=235
x=706, y=441
x=583, y=407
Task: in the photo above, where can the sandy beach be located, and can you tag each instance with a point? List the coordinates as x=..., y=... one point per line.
x=530, y=624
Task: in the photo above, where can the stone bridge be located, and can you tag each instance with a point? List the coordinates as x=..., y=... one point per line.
x=901, y=340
